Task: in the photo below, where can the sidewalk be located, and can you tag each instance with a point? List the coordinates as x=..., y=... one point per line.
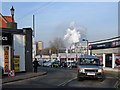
x=111, y=69
x=22, y=76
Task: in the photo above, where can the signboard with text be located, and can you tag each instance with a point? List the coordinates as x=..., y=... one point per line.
x=6, y=59
x=17, y=63
x=6, y=39
x=111, y=44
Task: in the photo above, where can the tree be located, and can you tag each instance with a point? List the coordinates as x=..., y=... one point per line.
x=56, y=45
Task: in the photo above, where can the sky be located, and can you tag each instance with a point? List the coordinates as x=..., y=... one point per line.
x=52, y=19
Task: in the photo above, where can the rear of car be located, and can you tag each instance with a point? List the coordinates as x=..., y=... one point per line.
x=89, y=67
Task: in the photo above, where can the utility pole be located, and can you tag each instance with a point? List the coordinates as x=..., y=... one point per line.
x=87, y=44
x=33, y=26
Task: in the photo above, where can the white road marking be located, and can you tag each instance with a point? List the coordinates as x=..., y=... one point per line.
x=117, y=84
x=64, y=83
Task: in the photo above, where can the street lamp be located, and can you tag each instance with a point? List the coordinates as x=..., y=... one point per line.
x=12, y=48
x=12, y=12
x=87, y=44
x=76, y=49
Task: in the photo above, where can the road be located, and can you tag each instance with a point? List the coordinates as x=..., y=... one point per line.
x=61, y=77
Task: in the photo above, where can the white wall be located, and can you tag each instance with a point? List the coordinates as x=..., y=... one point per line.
x=113, y=60
x=1, y=56
x=34, y=50
x=103, y=60
x=19, y=49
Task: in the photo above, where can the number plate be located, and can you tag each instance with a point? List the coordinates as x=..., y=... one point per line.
x=90, y=73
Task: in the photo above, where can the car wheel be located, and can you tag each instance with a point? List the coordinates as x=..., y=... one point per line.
x=101, y=79
x=79, y=78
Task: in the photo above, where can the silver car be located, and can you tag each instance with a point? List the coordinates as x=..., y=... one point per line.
x=89, y=66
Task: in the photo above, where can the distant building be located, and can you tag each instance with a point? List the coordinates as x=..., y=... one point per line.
x=40, y=45
x=82, y=49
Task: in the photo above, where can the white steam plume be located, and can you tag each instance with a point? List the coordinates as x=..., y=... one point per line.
x=73, y=34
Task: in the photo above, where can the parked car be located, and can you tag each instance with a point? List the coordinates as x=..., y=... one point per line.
x=45, y=64
x=50, y=64
x=40, y=62
x=56, y=64
x=89, y=66
x=74, y=64
x=63, y=64
x=69, y=64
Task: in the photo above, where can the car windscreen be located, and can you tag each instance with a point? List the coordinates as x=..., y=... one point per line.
x=89, y=61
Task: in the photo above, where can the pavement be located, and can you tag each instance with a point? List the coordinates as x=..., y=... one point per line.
x=22, y=76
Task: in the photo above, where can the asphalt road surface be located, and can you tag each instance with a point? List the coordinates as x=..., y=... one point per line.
x=63, y=78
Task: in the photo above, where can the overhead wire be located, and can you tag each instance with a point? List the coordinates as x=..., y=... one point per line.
x=36, y=10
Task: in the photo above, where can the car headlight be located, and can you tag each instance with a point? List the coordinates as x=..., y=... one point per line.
x=81, y=70
x=100, y=70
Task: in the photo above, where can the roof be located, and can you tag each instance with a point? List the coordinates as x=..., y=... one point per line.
x=8, y=18
x=106, y=39
x=4, y=20
x=88, y=56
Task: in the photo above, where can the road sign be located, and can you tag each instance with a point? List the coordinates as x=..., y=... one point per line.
x=11, y=73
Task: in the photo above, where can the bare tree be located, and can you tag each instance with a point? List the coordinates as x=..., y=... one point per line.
x=56, y=45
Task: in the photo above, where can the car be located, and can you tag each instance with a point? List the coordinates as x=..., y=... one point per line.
x=74, y=64
x=45, y=64
x=50, y=64
x=69, y=64
x=40, y=62
x=89, y=66
x=55, y=64
x=63, y=64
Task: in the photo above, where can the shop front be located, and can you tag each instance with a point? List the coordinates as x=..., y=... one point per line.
x=6, y=39
x=15, y=48
x=108, y=52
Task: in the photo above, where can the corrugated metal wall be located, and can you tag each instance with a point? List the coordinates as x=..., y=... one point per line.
x=19, y=49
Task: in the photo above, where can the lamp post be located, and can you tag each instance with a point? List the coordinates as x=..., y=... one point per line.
x=12, y=47
x=87, y=44
x=76, y=49
x=12, y=13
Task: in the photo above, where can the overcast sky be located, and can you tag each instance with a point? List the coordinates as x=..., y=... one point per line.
x=52, y=19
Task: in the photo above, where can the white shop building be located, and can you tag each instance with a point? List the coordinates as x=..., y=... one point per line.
x=108, y=52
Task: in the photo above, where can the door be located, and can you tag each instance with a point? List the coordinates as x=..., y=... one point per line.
x=108, y=61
